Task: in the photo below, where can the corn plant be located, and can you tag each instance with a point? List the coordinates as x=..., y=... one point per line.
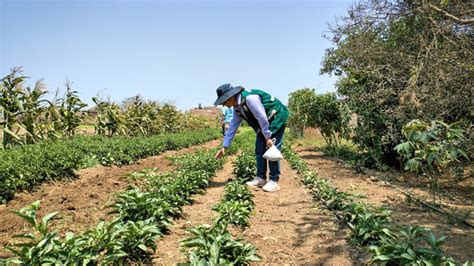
x=109, y=119
x=71, y=105
x=11, y=105
x=33, y=113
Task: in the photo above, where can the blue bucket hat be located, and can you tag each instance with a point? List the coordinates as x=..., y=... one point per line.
x=224, y=92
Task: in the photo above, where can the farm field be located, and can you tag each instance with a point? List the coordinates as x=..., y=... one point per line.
x=288, y=227
x=261, y=132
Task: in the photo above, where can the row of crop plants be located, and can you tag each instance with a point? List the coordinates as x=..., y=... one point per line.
x=214, y=244
x=142, y=215
x=371, y=226
x=24, y=167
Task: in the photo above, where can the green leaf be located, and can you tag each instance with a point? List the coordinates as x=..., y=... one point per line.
x=143, y=247
x=382, y=258
x=48, y=217
x=29, y=219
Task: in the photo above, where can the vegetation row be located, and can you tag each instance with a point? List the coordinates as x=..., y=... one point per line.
x=371, y=226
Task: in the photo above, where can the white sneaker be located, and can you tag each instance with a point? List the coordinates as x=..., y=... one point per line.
x=256, y=182
x=271, y=186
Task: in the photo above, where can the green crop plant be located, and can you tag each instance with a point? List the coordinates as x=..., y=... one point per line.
x=109, y=118
x=233, y=212
x=38, y=246
x=244, y=166
x=11, y=106
x=235, y=191
x=67, y=109
x=48, y=160
x=215, y=246
x=138, y=238
x=371, y=223
x=108, y=243
x=134, y=205
x=410, y=245
x=33, y=121
x=28, y=118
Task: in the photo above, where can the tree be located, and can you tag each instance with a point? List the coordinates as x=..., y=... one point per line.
x=401, y=60
x=322, y=111
x=298, y=106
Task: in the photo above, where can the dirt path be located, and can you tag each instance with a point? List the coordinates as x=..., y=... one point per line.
x=289, y=228
x=459, y=238
x=199, y=212
x=286, y=227
x=82, y=202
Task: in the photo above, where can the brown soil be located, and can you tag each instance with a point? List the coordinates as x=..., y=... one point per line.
x=459, y=238
x=81, y=202
x=286, y=227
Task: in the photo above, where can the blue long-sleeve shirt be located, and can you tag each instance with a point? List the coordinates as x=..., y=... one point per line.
x=228, y=114
x=254, y=103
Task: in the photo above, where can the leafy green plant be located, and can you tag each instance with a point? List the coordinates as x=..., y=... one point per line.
x=371, y=223
x=108, y=243
x=134, y=205
x=138, y=238
x=234, y=212
x=215, y=246
x=430, y=148
x=410, y=246
x=235, y=191
x=244, y=166
x=41, y=245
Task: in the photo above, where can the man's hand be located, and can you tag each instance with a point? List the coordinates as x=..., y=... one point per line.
x=269, y=143
x=220, y=153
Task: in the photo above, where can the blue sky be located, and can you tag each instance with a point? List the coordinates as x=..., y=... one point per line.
x=168, y=50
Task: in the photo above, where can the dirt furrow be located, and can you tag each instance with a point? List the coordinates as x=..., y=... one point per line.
x=200, y=212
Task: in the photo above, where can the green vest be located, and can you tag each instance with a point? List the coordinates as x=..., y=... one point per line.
x=277, y=113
